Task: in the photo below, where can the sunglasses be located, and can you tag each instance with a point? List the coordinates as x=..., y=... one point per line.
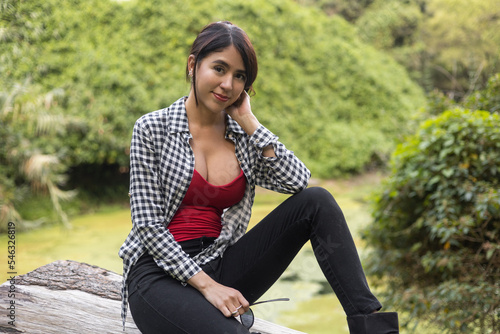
x=247, y=319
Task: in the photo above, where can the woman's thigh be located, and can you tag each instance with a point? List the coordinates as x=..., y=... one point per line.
x=254, y=263
x=258, y=259
x=161, y=304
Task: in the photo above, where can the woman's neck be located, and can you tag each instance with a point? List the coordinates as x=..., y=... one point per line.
x=199, y=116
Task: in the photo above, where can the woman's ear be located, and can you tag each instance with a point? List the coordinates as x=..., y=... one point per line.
x=191, y=60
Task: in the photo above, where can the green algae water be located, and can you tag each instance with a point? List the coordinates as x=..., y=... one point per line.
x=96, y=238
x=93, y=239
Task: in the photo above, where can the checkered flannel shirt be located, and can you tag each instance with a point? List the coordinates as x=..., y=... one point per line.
x=161, y=168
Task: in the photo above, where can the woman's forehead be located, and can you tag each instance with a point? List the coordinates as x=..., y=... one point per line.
x=228, y=56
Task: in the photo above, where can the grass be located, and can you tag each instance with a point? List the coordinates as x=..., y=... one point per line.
x=96, y=238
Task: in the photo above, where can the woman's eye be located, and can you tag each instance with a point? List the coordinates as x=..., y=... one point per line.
x=219, y=69
x=242, y=77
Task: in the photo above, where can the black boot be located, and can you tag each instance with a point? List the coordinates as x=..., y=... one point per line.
x=375, y=323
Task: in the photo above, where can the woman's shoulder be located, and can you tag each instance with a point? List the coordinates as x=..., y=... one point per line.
x=174, y=113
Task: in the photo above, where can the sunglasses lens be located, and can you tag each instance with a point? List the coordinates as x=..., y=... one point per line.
x=247, y=319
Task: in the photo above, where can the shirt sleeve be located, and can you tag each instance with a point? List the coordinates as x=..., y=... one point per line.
x=148, y=207
x=284, y=173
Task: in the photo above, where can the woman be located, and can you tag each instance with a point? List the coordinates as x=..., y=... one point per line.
x=189, y=266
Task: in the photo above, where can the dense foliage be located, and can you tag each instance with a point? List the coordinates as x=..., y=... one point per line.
x=351, y=10
x=436, y=234
x=449, y=45
x=75, y=75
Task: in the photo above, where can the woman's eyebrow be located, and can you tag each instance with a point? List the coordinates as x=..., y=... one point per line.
x=223, y=63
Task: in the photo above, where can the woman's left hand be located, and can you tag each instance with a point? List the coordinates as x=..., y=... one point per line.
x=228, y=300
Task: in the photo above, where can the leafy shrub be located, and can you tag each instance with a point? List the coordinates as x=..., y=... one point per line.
x=488, y=98
x=32, y=149
x=106, y=63
x=436, y=232
x=441, y=45
x=118, y=60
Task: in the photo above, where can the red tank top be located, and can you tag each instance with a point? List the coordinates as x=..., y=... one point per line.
x=201, y=209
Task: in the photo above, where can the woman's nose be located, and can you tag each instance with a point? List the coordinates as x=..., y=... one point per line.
x=227, y=82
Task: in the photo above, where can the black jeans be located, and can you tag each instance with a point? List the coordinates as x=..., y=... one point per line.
x=160, y=304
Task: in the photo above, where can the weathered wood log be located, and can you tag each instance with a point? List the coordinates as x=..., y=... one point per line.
x=72, y=298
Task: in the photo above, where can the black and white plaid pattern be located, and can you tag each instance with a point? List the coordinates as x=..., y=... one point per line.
x=161, y=168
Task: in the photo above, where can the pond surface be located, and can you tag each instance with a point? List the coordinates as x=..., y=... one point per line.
x=313, y=308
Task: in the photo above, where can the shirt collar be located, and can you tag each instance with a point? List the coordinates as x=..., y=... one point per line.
x=177, y=116
x=178, y=121
x=233, y=126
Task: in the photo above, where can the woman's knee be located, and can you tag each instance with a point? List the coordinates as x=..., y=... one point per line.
x=323, y=203
x=318, y=195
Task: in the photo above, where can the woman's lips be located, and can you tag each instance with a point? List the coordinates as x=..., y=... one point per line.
x=221, y=98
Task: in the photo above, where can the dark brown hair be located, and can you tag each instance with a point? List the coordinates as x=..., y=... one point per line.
x=218, y=36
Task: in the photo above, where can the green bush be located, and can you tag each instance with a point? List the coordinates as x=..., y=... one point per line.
x=441, y=45
x=488, y=98
x=33, y=129
x=118, y=60
x=92, y=67
x=435, y=238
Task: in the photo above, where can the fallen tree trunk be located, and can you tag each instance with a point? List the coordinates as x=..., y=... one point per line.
x=72, y=297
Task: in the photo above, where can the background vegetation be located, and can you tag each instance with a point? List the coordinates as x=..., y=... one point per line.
x=341, y=82
x=437, y=222
x=452, y=46
x=77, y=74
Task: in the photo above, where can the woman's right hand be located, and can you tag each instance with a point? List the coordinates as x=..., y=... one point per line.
x=226, y=299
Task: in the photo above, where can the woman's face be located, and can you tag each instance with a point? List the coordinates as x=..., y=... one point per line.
x=220, y=79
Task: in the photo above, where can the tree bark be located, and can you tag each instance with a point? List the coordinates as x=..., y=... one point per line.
x=72, y=298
